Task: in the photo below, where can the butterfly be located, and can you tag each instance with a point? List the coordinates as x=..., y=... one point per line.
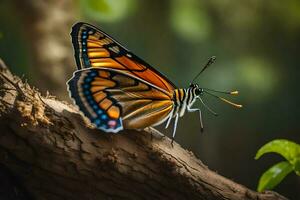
x=117, y=90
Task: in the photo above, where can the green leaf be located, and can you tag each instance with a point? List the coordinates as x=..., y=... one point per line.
x=274, y=176
x=289, y=150
x=297, y=167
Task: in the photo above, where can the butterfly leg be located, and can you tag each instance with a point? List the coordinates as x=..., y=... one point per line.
x=169, y=120
x=200, y=115
x=175, y=127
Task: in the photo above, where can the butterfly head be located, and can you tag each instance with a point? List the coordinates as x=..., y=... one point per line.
x=198, y=91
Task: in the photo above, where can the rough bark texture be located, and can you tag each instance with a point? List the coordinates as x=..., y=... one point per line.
x=47, y=26
x=54, y=153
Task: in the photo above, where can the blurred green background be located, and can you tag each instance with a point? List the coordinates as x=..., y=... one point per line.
x=257, y=45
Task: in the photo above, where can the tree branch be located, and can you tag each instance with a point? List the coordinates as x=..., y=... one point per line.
x=57, y=154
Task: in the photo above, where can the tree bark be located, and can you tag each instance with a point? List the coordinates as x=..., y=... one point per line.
x=55, y=153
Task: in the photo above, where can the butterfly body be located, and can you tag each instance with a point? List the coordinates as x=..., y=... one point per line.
x=185, y=98
x=117, y=90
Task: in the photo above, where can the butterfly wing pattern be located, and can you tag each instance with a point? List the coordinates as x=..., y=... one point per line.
x=94, y=48
x=114, y=88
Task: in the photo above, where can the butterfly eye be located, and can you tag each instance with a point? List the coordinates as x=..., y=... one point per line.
x=198, y=91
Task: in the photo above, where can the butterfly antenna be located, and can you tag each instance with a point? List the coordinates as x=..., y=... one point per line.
x=225, y=100
x=208, y=108
x=210, y=61
x=223, y=92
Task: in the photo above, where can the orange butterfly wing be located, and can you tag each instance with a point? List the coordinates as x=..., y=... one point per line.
x=94, y=48
x=113, y=100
